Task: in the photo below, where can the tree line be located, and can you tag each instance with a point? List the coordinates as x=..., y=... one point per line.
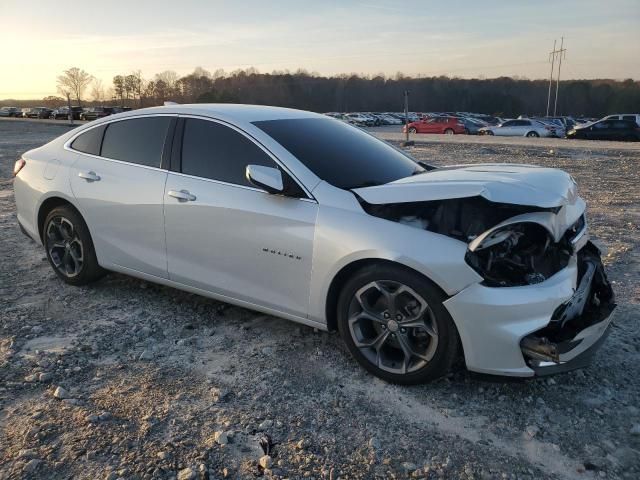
x=504, y=96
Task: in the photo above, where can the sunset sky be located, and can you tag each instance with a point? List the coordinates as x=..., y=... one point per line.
x=41, y=38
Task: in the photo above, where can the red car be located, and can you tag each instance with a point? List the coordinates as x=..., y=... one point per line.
x=441, y=125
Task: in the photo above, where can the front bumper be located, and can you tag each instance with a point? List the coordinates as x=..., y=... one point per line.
x=538, y=329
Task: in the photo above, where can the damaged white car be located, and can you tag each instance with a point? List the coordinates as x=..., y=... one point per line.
x=304, y=217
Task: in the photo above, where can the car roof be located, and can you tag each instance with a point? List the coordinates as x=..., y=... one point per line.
x=235, y=112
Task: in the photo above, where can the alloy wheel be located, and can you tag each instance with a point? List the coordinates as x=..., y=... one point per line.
x=393, y=326
x=64, y=246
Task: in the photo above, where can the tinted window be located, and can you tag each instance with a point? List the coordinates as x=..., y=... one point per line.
x=510, y=123
x=340, y=154
x=212, y=150
x=89, y=141
x=620, y=125
x=139, y=140
x=629, y=117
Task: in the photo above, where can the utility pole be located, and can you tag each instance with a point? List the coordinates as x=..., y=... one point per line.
x=552, y=59
x=406, y=143
x=562, y=53
x=70, y=116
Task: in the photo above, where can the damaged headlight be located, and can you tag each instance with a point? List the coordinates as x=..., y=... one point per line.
x=517, y=254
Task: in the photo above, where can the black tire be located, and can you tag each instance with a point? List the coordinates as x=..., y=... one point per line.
x=489, y=132
x=413, y=130
x=449, y=131
x=532, y=135
x=67, y=242
x=441, y=355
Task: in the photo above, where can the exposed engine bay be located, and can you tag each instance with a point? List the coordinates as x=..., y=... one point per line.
x=520, y=253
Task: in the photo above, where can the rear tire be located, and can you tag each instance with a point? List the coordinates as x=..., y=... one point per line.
x=69, y=247
x=394, y=323
x=413, y=130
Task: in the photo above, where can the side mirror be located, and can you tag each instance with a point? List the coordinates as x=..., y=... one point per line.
x=267, y=178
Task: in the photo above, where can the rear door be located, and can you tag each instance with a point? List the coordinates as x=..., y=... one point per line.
x=118, y=182
x=227, y=237
x=601, y=130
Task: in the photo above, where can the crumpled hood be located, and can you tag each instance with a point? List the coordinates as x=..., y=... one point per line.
x=497, y=182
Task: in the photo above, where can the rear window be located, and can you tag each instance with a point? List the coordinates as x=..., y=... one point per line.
x=342, y=155
x=139, y=140
x=89, y=141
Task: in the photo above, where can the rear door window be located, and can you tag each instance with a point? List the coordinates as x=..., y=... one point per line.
x=89, y=141
x=138, y=140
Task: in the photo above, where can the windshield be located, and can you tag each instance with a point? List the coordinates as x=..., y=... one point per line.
x=342, y=155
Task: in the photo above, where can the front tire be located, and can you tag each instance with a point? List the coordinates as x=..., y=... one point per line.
x=69, y=247
x=533, y=135
x=448, y=131
x=394, y=323
x=413, y=130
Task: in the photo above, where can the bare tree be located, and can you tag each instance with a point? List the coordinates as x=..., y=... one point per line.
x=169, y=77
x=97, y=90
x=118, y=87
x=73, y=83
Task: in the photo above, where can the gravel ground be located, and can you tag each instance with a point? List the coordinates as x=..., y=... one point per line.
x=125, y=379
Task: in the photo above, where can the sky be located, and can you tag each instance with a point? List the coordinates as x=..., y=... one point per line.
x=41, y=38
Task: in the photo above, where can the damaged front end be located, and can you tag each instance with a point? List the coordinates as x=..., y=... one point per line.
x=509, y=245
x=534, y=249
x=578, y=326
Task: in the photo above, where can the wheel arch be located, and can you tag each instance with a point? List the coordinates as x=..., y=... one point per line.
x=46, y=206
x=347, y=271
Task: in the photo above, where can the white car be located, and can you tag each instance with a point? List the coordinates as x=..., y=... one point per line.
x=520, y=128
x=307, y=218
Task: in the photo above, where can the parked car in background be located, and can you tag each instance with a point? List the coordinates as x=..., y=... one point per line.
x=625, y=130
x=92, y=113
x=38, y=112
x=490, y=120
x=62, y=113
x=520, y=128
x=472, y=125
x=10, y=112
x=634, y=117
x=359, y=120
x=438, y=125
x=391, y=119
x=115, y=110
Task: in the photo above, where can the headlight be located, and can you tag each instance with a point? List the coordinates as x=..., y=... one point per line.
x=516, y=255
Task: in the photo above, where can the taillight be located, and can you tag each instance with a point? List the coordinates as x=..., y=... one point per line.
x=19, y=165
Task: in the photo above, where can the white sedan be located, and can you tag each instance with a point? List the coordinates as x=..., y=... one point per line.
x=521, y=128
x=307, y=218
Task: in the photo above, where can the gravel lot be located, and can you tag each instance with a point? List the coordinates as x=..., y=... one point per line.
x=133, y=380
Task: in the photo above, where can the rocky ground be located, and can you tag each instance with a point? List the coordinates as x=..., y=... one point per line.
x=125, y=379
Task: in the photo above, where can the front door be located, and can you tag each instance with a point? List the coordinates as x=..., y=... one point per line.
x=228, y=237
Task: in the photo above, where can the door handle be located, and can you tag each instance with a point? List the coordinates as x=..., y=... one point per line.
x=181, y=195
x=89, y=176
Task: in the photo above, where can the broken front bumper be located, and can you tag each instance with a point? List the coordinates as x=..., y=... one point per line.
x=537, y=329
